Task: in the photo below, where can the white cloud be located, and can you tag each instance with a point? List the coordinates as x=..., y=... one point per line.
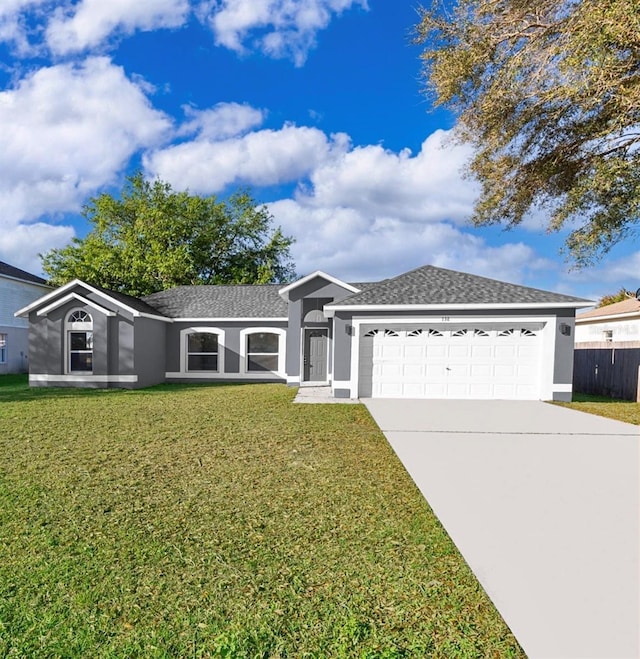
x=66, y=131
x=358, y=247
x=260, y=158
x=90, y=22
x=277, y=28
x=422, y=188
x=222, y=121
x=21, y=244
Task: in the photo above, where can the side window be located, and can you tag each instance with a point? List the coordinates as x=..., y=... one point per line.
x=79, y=336
x=262, y=351
x=3, y=348
x=202, y=351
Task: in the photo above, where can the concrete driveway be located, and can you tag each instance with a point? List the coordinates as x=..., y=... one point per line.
x=543, y=503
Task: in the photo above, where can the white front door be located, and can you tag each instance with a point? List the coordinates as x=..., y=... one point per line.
x=464, y=362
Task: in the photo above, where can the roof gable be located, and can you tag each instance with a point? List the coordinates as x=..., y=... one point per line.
x=349, y=288
x=127, y=302
x=432, y=286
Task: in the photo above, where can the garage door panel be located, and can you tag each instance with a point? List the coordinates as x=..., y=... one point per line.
x=463, y=363
x=436, y=351
x=459, y=352
x=414, y=371
x=482, y=371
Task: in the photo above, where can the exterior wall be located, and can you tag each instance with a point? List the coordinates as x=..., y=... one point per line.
x=113, y=349
x=622, y=330
x=312, y=294
x=556, y=368
x=563, y=355
x=232, y=343
x=14, y=295
x=149, y=341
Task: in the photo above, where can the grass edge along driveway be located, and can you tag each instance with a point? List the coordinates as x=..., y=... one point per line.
x=221, y=521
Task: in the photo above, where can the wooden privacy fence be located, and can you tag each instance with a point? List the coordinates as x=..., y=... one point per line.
x=607, y=370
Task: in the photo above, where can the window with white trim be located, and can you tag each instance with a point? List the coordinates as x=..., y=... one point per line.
x=202, y=351
x=3, y=348
x=79, y=328
x=262, y=351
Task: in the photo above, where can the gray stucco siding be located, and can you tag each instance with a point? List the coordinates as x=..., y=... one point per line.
x=232, y=337
x=293, y=339
x=148, y=361
x=319, y=287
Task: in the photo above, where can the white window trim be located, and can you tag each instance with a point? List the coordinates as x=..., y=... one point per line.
x=282, y=343
x=184, y=333
x=77, y=327
x=4, y=341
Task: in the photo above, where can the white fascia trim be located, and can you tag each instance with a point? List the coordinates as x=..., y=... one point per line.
x=46, y=377
x=74, y=296
x=284, y=292
x=283, y=319
x=194, y=375
x=78, y=282
x=164, y=319
x=631, y=315
x=563, y=388
x=331, y=308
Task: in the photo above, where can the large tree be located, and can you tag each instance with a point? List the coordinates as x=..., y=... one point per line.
x=152, y=238
x=548, y=94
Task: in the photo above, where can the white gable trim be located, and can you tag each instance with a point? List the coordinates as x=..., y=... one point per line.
x=284, y=292
x=74, y=296
x=78, y=282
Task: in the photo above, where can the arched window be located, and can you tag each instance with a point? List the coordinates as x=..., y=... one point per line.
x=79, y=337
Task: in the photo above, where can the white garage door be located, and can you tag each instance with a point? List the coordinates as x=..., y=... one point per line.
x=463, y=362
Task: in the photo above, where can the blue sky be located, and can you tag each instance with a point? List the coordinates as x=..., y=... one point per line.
x=315, y=105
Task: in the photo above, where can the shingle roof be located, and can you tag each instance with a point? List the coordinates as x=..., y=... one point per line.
x=133, y=302
x=17, y=273
x=630, y=306
x=225, y=301
x=429, y=285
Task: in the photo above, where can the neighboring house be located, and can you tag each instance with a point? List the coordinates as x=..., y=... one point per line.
x=614, y=323
x=607, y=356
x=428, y=333
x=17, y=288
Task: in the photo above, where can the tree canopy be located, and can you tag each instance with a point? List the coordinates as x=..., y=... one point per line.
x=152, y=238
x=548, y=94
x=620, y=296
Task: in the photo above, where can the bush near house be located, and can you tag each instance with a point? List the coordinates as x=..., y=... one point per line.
x=221, y=521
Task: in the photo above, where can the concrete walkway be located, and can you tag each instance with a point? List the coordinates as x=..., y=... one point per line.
x=543, y=503
x=321, y=394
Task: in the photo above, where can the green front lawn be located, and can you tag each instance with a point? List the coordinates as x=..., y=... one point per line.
x=621, y=410
x=221, y=521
